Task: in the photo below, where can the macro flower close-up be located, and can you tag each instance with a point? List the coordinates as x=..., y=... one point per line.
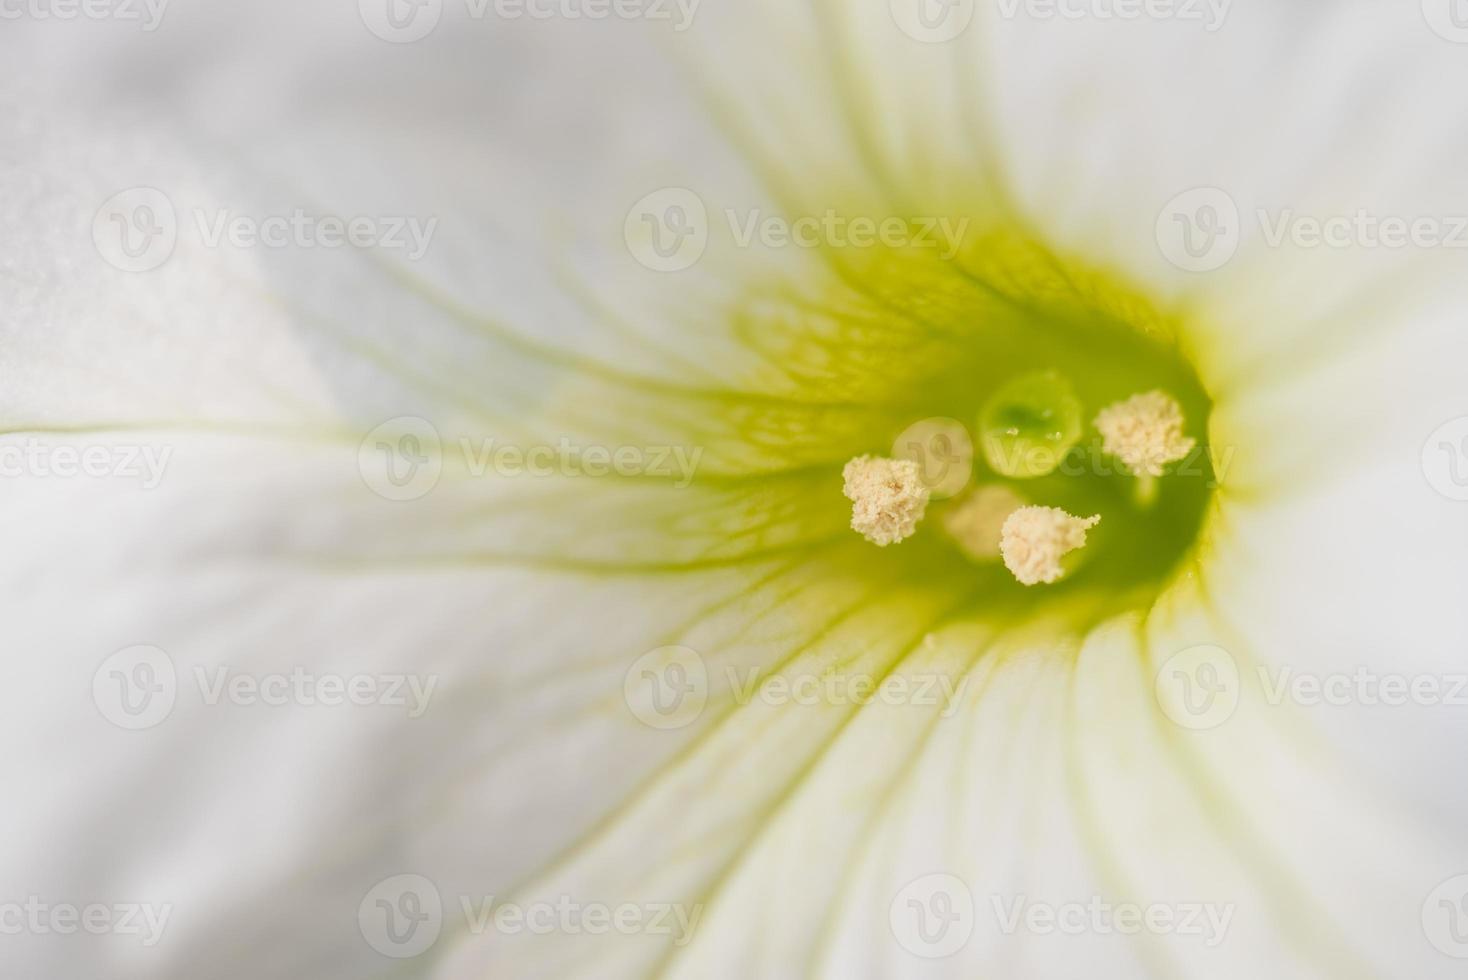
x=734, y=488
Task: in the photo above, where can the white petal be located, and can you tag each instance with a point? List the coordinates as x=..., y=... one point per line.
x=801, y=826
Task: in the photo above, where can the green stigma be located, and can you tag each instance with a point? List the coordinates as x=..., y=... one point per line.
x=1029, y=424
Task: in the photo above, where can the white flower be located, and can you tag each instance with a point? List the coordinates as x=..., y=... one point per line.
x=399, y=639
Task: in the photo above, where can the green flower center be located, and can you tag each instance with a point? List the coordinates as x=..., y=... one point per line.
x=988, y=367
x=1017, y=353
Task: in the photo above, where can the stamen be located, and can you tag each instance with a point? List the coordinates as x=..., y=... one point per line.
x=1034, y=539
x=1145, y=432
x=976, y=523
x=887, y=497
